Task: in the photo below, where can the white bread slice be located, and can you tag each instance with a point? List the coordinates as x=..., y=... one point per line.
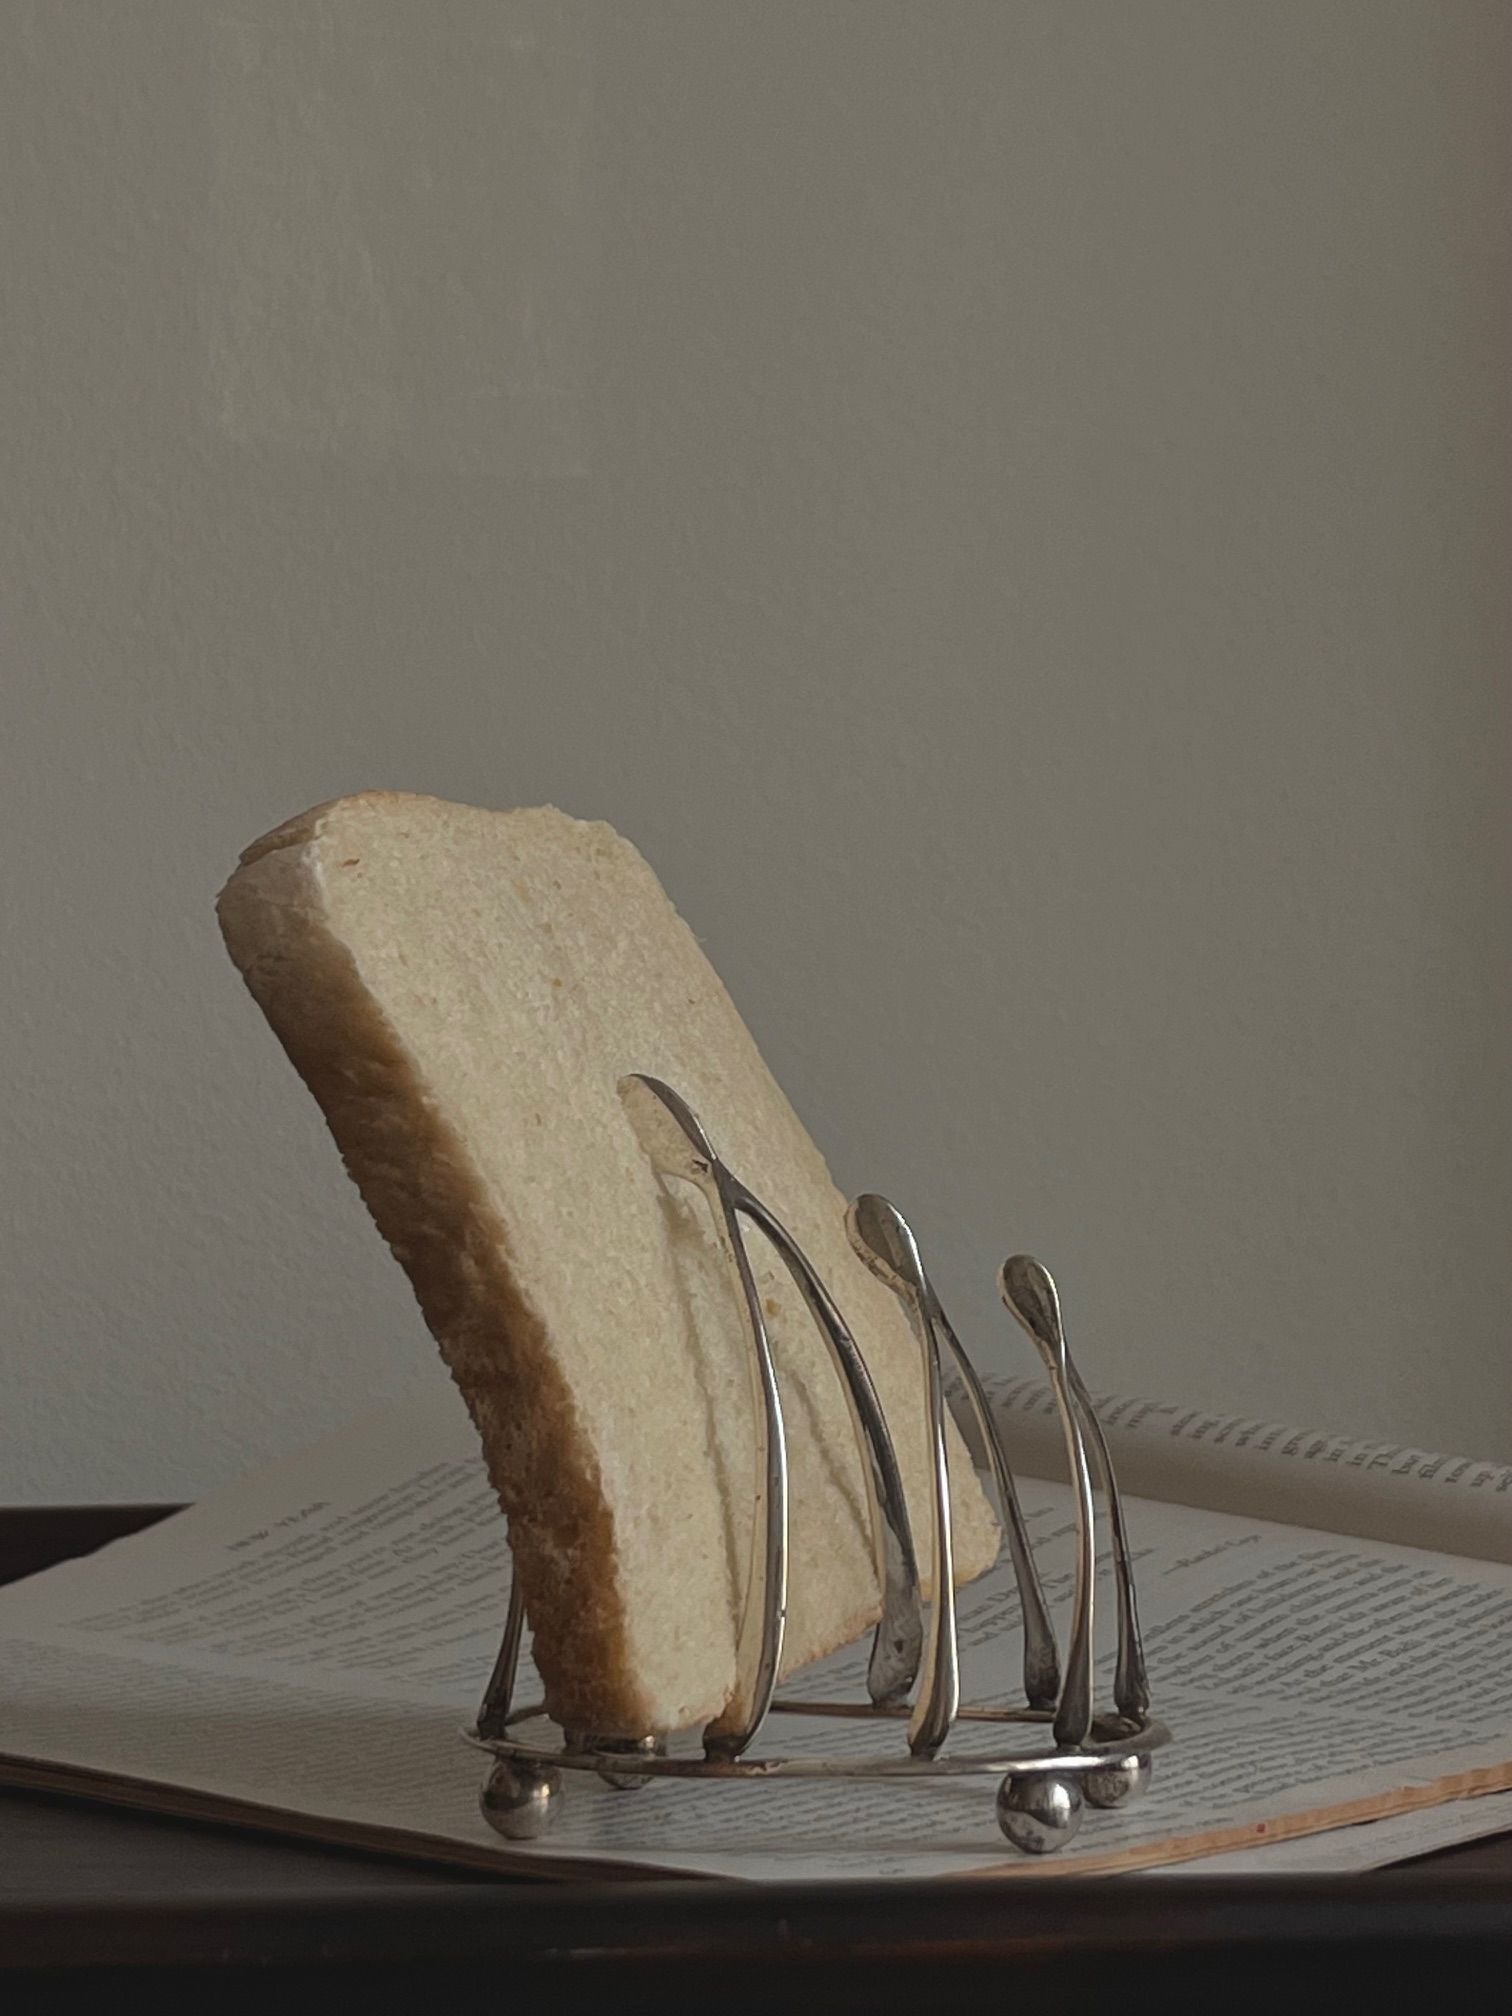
x=462, y=991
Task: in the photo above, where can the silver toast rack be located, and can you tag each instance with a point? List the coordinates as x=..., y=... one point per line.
x=913, y=1676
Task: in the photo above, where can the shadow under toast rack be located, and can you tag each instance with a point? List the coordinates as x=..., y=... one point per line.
x=913, y=1676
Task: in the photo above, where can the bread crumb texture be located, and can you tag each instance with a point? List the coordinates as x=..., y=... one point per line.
x=462, y=991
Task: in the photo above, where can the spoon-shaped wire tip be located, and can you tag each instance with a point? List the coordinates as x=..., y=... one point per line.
x=1029, y=1294
x=881, y=1239
x=667, y=1128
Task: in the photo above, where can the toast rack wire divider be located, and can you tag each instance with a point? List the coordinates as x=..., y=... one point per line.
x=1094, y=1759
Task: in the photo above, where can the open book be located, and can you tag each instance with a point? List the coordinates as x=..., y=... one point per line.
x=1328, y=1627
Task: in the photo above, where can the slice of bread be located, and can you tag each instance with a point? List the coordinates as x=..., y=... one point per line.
x=462, y=991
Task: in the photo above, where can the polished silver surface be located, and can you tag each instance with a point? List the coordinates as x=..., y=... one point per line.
x=1041, y=1665
x=881, y=1237
x=1039, y=1815
x=498, y=1696
x=1093, y=1756
x=1093, y=1760
x=1030, y=1296
x=579, y=1743
x=1131, y=1683
x=521, y=1796
x=1117, y=1784
x=898, y=1643
x=677, y=1146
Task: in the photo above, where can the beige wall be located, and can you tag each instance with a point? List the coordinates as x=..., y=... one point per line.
x=1006, y=503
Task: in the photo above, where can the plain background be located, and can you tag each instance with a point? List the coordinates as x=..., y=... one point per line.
x=1007, y=504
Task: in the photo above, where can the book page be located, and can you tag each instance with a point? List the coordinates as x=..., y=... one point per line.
x=1298, y=1476
x=1349, y=1850
x=302, y=1652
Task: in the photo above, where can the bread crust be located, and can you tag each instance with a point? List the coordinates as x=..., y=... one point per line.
x=429, y=1201
x=413, y=1177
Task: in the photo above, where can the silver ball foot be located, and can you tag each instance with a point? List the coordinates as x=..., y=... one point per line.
x=627, y=1746
x=520, y=1798
x=1117, y=1784
x=1039, y=1813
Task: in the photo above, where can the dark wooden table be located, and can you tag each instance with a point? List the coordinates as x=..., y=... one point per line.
x=97, y=1903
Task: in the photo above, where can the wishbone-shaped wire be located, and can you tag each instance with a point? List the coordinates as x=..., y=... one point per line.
x=677, y=1146
x=1030, y=1295
x=1095, y=1761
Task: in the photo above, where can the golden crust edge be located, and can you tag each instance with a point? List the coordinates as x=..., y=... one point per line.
x=541, y=1460
x=412, y=1175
